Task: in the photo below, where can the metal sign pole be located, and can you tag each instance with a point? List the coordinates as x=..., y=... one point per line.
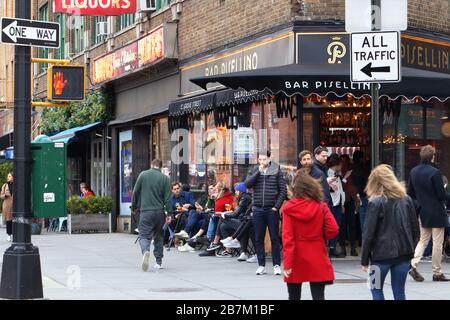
x=374, y=91
x=21, y=269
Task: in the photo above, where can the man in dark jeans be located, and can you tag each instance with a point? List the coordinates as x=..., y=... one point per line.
x=269, y=192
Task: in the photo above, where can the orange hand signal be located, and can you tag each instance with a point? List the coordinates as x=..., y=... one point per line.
x=59, y=83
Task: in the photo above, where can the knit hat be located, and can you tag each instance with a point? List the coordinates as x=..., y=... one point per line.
x=240, y=187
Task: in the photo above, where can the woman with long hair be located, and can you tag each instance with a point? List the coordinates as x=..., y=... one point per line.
x=307, y=224
x=224, y=203
x=7, y=196
x=391, y=232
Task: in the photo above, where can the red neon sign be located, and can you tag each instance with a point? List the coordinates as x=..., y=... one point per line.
x=95, y=7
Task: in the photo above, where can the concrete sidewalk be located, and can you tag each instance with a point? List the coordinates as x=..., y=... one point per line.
x=107, y=266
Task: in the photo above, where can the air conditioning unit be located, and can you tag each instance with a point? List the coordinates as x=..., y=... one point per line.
x=102, y=28
x=148, y=5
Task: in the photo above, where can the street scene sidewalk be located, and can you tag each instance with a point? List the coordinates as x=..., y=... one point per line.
x=108, y=266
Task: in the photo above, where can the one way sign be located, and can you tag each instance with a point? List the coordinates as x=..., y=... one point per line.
x=375, y=57
x=29, y=33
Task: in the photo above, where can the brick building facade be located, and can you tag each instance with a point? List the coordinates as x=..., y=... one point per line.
x=206, y=30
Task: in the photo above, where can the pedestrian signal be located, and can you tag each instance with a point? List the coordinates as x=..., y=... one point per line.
x=66, y=83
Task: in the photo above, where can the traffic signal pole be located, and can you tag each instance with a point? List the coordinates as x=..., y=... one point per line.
x=21, y=270
x=375, y=94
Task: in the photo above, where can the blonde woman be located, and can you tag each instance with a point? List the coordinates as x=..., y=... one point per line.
x=7, y=196
x=391, y=232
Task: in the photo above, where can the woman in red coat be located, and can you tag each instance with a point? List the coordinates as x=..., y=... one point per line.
x=307, y=224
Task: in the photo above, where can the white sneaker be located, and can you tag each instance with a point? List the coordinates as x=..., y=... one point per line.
x=145, y=260
x=136, y=230
x=182, y=235
x=158, y=266
x=252, y=259
x=276, y=270
x=235, y=244
x=261, y=270
x=9, y=238
x=185, y=248
x=226, y=241
x=242, y=257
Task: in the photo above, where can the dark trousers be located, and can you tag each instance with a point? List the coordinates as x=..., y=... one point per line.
x=228, y=227
x=317, y=290
x=348, y=225
x=151, y=225
x=194, y=222
x=9, y=227
x=176, y=226
x=244, y=232
x=337, y=213
x=264, y=218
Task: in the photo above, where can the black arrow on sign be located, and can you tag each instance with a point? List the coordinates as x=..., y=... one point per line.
x=368, y=69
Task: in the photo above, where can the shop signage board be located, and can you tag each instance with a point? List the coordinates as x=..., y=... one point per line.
x=95, y=7
x=375, y=57
x=142, y=52
x=29, y=33
x=359, y=14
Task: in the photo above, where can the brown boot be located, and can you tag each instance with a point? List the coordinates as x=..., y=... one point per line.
x=440, y=277
x=416, y=275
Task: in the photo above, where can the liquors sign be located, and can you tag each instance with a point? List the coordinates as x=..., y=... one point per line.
x=95, y=7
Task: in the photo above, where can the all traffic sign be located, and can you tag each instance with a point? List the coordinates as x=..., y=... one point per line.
x=375, y=57
x=29, y=33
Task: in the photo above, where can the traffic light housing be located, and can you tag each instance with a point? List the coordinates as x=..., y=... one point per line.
x=66, y=83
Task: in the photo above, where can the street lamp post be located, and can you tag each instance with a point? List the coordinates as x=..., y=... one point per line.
x=21, y=269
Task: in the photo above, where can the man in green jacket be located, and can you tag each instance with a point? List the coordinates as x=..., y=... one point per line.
x=152, y=193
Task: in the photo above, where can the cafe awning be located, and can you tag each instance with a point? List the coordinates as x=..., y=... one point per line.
x=222, y=101
x=332, y=79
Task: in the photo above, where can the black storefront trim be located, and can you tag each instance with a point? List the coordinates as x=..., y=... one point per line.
x=332, y=79
x=224, y=103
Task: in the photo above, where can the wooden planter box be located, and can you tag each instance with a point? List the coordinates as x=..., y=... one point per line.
x=81, y=223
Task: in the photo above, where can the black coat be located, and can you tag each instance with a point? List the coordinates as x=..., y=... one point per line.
x=427, y=189
x=391, y=230
x=269, y=189
x=244, y=206
x=320, y=172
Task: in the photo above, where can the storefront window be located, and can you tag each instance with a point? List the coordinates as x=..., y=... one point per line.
x=218, y=152
x=404, y=135
x=197, y=167
x=245, y=142
x=161, y=143
x=282, y=135
x=126, y=178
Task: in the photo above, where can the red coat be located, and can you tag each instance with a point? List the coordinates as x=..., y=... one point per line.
x=220, y=202
x=306, y=227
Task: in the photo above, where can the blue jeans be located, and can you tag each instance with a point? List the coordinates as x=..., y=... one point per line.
x=212, y=227
x=362, y=212
x=337, y=213
x=428, y=249
x=195, y=220
x=264, y=218
x=399, y=273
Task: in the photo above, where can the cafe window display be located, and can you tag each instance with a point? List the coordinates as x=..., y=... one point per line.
x=343, y=124
x=161, y=143
x=223, y=143
x=408, y=126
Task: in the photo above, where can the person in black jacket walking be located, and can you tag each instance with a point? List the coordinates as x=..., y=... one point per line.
x=269, y=192
x=427, y=188
x=390, y=234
